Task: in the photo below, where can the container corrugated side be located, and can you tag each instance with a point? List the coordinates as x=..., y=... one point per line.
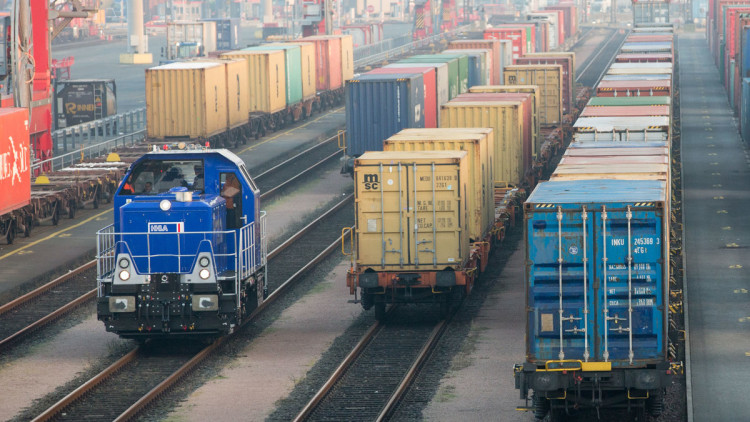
x=238, y=92
x=630, y=101
x=494, y=47
x=430, y=92
x=550, y=80
x=15, y=174
x=404, y=201
x=506, y=121
x=292, y=69
x=328, y=67
x=265, y=77
x=534, y=91
x=567, y=61
x=628, y=129
x=619, y=171
x=308, y=68
x=347, y=56
x=378, y=106
x=186, y=100
x=479, y=72
x=477, y=143
x=454, y=81
x=577, y=235
x=626, y=111
x=441, y=80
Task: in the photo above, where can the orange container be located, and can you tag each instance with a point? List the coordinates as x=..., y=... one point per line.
x=327, y=62
x=15, y=182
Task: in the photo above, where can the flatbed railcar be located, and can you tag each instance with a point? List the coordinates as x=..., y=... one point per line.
x=599, y=326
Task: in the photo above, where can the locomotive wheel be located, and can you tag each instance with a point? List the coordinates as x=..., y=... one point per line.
x=380, y=311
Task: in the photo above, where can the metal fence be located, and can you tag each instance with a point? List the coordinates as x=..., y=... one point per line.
x=98, y=131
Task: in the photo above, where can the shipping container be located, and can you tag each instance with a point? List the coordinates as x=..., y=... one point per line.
x=613, y=160
x=238, y=91
x=634, y=88
x=666, y=77
x=495, y=47
x=589, y=150
x=635, y=68
x=745, y=110
x=15, y=174
x=441, y=79
x=517, y=37
x=379, y=106
x=627, y=129
x=479, y=72
x=567, y=61
x=630, y=101
x=532, y=90
x=650, y=110
x=647, y=47
x=550, y=80
x=430, y=91
x=584, y=232
x=613, y=171
x=83, y=100
x=553, y=40
x=186, y=100
x=529, y=138
x=265, y=77
x=190, y=39
x=570, y=18
x=477, y=143
x=643, y=58
x=292, y=69
x=506, y=121
x=308, y=68
x=227, y=33
x=649, y=38
x=347, y=57
x=463, y=68
x=328, y=66
x=454, y=81
x=432, y=184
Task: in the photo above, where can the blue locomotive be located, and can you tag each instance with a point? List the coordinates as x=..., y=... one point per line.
x=186, y=252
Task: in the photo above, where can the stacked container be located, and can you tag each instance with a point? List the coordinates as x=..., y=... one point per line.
x=549, y=78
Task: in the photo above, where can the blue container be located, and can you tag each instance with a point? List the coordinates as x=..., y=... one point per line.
x=558, y=238
x=722, y=63
x=378, y=106
x=745, y=110
x=227, y=33
x=745, y=69
x=475, y=69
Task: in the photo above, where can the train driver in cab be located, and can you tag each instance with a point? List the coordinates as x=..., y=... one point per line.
x=231, y=191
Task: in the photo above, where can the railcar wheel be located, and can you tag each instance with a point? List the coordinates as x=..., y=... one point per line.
x=655, y=405
x=380, y=311
x=72, y=209
x=27, y=226
x=541, y=406
x=10, y=236
x=56, y=214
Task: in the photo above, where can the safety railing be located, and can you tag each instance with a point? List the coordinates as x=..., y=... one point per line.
x=99, y=131
x=61, y=161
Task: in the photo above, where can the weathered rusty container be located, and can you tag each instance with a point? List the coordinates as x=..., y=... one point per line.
x=15, y=182
x=477, y=143
x=430, y=186
x=265, y=77
x=506, y=120
x=186, y=100
x=549, y=78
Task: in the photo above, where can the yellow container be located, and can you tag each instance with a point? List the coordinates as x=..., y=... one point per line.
x=307, y=53
x=476, y=142
x=347, y=57
x=524, y=89
x=186, y=99
x=266, y=78
x=506, y=122
x=549, y=79
x=410, y=210
x=238, y=91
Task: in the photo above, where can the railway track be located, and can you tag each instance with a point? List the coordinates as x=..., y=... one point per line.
x=590, y=74
x=142, y=375
x=373, y=379
x=48, y=303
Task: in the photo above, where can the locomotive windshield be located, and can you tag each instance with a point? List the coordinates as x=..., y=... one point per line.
x=153, y=177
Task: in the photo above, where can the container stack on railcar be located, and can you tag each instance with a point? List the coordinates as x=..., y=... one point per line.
x=728, y=32
x=599, y=328
x=427, y=218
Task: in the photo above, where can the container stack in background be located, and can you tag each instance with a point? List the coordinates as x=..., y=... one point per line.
x=728, y=33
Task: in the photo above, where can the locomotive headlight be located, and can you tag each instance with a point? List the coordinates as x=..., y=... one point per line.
x=165, y=205
x=124, y=263
x=204, y=274
x=204, y=261
x=124, y=275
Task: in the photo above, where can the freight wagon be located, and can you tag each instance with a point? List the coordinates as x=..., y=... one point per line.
x=598, y=259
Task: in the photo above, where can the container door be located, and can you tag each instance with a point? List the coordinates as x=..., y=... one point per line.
x=629, y=273
x=560, y=279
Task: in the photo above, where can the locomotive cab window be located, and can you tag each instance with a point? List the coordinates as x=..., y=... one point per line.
x=231, y=191
x=159, y=176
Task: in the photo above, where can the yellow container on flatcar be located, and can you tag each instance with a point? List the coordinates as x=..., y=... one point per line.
x=410, y=210
x=238, y=91
x=506, y=121
x=266, y=78
x=347, y=57
x=549, y=78
x=477, y=143
x=186, y=100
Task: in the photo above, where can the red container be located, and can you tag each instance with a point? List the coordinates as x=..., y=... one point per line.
x=569, y=17
x=644, y=58
x=625, y=111
x=430, y=89
x=566, y=64
x=15, y=182
x=492, y=45
x=327, y=62
x=660, y=87
x=517, y=37
x=527, y=103
x=650, y=38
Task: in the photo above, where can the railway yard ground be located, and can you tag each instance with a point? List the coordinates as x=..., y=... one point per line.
x=292, y=350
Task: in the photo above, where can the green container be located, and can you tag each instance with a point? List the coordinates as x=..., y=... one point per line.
x=630, y=101
x=463, y=71
x=454, y=81
x=292, y=70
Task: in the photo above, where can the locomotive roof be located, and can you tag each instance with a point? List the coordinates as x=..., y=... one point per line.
x=193, y=153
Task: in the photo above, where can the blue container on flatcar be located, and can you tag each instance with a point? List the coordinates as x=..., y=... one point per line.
x=378, y=106
x=745, y=110
x=580, y=283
